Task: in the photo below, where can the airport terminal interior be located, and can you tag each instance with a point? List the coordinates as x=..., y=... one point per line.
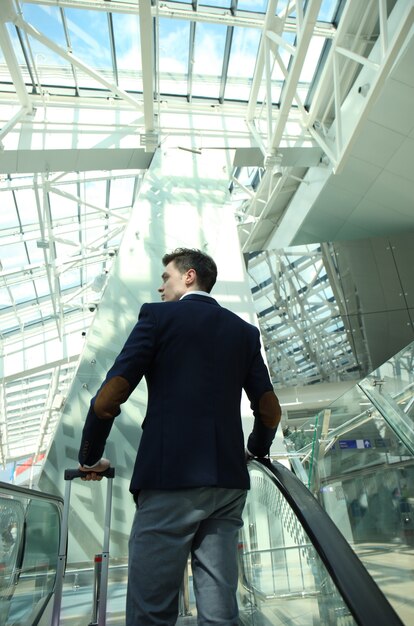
x=278, y=136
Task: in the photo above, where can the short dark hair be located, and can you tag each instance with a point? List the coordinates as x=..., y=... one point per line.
x=190, y=258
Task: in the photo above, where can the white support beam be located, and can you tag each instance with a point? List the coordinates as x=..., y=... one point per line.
x=73, y=160
x=147, y=60
x=304, y=37
x=51, y=277
x=78, y=200
x=324, y=85
x=270, y=24
x=46, y=367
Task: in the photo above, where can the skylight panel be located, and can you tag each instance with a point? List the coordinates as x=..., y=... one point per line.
x=95, y=193
x=328, y=10
x=49, y=67
x=121, y=192
x=208, y=59
x=62, y=207
x=221, y=4
x=242, y=62
x=128, y=51
x=23, y=292
x=42, y=287
x=4, y=298
x=258, y=6
x=90, y=37
x=8, y=215
x=26, y=206
x=46, y=19
x=312, y=59
x=174, y=36
x=69, y=279
x=35, y=254
x=14, y=257
x=259, y=274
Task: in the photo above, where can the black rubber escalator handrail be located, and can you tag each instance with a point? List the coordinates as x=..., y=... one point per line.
x=360, y=592
x=31, y=493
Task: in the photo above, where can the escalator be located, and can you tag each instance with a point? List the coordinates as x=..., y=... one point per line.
x=295, y=566
x=30, y=524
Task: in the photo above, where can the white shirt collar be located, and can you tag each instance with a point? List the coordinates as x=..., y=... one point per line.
x=196, y=293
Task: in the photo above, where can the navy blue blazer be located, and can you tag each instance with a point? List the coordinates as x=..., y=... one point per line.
x=196, y=357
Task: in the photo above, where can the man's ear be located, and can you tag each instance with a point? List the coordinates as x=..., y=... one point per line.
x=191, y=277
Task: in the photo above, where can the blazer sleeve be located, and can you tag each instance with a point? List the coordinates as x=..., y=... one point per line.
x=120, y=381
x=264, y=404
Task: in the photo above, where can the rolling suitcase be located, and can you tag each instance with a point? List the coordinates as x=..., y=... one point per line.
x=101, y=585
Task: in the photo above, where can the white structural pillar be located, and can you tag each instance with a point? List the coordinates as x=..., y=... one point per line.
x=183, y=202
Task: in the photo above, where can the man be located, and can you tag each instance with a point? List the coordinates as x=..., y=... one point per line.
x=190, y=476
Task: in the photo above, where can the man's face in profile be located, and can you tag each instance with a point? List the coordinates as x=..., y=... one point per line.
x=173, y=283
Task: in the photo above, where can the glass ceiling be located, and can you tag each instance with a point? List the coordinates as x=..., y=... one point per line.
x=65, y=65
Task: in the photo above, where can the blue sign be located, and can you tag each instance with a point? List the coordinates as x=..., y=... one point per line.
x=349, y=444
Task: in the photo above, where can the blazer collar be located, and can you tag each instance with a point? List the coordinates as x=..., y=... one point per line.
x=200, y=298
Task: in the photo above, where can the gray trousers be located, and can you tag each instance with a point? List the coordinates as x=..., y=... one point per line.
x=169, y=525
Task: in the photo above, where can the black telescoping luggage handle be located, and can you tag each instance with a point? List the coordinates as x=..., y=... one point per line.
x=70, y=474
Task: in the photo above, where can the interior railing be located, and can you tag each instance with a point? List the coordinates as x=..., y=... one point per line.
x=295, y=565
x=358, y=459
x=29, y=544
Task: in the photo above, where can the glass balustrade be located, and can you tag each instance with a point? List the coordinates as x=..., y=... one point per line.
x=29, y=544
x=283, y=579
x=359, y=462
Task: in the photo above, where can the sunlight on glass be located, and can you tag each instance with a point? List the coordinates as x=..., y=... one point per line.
x=8, y=215
x=42, y=287
x=70, y=278
x=89, y=37
x=121, y=192
x=174, y=38
x=42, y=55
x=46, y=19
x=34, y=253
x=208, y=59
x=312, y=59
x=242, y=62
x=128, y=51
x=26, y=202
x=225, y=4
x=23, y=293
x=4, y=300
x=13, y=257
x=328, y=10
x=64, y=207
x=252, y=5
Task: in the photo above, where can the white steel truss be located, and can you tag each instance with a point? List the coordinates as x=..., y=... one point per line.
x=358, y=50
